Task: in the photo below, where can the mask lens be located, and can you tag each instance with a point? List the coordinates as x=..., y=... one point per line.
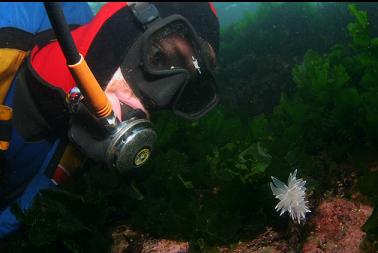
x=170, y=48
x=197, y=97
x=173, y=50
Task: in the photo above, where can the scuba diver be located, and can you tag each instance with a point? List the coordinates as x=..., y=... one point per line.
x=89, y=88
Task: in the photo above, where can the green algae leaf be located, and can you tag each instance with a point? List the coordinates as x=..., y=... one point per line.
x=348, y=101
x=259, y=128
x=187, y=184
x=255, y=152
x=359, y=29
x=374, y=42
x=201, y=243
x=135, y=192
x=361, y=16
x=340, y=76
x=72, y=246
x=252, y=161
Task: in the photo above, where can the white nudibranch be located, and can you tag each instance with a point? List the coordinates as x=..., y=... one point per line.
x=292, y=197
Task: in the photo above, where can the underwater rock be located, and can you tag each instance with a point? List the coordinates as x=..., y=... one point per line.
x=337, y=227
x=334, y=228
x=165, y=246
x=269, y=242
x=122, y=236
x=129, y=241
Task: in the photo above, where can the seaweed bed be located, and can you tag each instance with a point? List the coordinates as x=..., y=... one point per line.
x=299, y=89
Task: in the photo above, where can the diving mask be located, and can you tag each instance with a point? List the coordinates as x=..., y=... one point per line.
x=162, y=79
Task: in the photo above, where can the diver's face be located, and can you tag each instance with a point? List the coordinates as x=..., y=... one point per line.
x=171, y=51
x=176, y=51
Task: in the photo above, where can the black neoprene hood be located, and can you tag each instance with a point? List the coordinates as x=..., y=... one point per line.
x=120, y=31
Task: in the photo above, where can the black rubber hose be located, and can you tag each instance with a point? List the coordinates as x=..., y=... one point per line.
x=62, y=32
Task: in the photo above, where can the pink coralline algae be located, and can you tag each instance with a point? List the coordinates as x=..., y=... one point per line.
x=337, y=227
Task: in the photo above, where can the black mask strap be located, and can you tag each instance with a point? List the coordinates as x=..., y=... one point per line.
x=145, y=13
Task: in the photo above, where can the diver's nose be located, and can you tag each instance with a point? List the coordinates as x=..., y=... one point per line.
x=178, y=52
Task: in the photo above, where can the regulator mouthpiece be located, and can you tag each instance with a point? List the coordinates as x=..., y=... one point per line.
x=131, y=145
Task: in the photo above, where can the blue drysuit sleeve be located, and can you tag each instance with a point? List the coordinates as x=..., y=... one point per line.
x=31, y=16
x=8, y=222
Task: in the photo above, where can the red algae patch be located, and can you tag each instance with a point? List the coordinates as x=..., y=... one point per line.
x=129, y=241
x=337, y=227
x=165, y=246
x=268, y=242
